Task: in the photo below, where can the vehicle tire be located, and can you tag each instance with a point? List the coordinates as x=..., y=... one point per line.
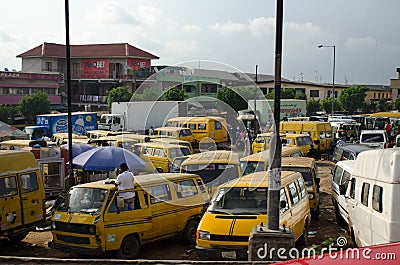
x=315, y=214
x=339, y=218
x=129, y=248
x=189, y=235
x=303, y=239
x=17, y=238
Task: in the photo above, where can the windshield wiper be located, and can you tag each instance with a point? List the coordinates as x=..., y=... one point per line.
x=219, y=212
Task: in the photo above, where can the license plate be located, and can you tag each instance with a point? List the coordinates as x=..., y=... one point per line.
x=229, y=254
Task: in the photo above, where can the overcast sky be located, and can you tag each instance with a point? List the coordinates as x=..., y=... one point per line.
x=237, y=34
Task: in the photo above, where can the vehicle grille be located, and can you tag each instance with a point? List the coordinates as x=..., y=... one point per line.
x=73, y=228
x=229, y=238
x=73, y=239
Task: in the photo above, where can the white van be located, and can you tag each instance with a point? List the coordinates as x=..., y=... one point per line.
x=374, y=138
x=341, y=176
x=374, y=208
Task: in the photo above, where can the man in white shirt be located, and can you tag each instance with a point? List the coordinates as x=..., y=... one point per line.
x=125, y=181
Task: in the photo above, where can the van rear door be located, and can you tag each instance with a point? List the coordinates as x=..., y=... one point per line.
x=11, y=215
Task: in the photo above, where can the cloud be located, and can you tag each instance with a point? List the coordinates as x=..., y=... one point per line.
x=262, y=27
x=228, y=27
x=191, y=28
x=111, y=12
x=357, y=44
x=4, y=36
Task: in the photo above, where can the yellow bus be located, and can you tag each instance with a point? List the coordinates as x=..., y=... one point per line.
x=214, y=167
x=203, y=128
x=184, y=134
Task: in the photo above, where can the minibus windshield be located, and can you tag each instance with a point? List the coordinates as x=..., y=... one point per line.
x=83, y=200
x=213, y=174
x=305, y=172
x=248, y=167
x=241, y=200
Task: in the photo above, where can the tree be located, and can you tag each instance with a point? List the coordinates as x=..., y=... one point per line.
x=236, y=99
x=352, y=98
x=287, y=93
x=175, y=94
x=8, y=113
x=396, y=104
x=326, y=105
x=382, y=105
x=118, y=94
x=33, y=105
x=301, y=96
x=313, y=106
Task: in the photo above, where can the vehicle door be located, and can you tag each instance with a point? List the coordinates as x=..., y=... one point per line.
x=119, y=222
x=32, y=196
x=218, y=132
x=160, y=159
x=342, y=199
x=295, y=221
x=11, y=212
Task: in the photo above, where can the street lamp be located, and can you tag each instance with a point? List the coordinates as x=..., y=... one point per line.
x=333, y=75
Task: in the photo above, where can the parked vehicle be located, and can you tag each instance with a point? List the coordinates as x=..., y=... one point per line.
x=260, y=161
x=241, y=204
x=308, y=169
x=22, y=195
x=374, y=138
x=348, y=151
x=184, y=134
x=160, y=154
x=138, y=116
x=320, y=132
x=21, y=144
x=214, y=167
x=49, y=124
x=92, y=219
x=62, y=138
x=169, y=140
x=341, y=176
x=374, y=211
x=262, y=140
x=204, y=129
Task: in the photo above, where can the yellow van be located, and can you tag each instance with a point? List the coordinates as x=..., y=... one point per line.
x=92, y=219
x=169, y=140
x=22, y=195
x=184, y=134
x=241, y=204
x=260, y=161
x=62, y=138
x=303, y=141
x=21, y=144
x=308, y=169
x=320, y=132
x=203, y=128
x=95, y=134
x=214, y=167
x=160, y=154
x=261, y=142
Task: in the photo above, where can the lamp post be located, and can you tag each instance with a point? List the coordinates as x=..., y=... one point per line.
x=333, y=74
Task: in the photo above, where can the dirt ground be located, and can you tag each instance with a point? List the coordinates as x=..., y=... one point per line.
x=35, y=244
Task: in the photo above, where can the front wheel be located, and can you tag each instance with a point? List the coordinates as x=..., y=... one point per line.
x=189, y=235
x=129, y=248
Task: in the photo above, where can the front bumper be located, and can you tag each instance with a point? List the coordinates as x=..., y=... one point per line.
x=221, y=253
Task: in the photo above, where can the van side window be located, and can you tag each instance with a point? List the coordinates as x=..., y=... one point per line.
x=294, y=196
x=160, y=193
x=185, y=188
x=192, y=126
x=217, y=125
x=345, y=179
x=377, y=198
x=353, y=188
x=8, y=186
x=147, y=151
x=201, y=185
x=303, y=191
x=29, y=182
x=284, y=198
x=202, y=126
x=337, y=175
x=296, y=154
x=322, y=135
x=159, y=152
x=364, y=193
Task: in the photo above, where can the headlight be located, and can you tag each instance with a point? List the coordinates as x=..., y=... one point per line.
x=311, y=196
x=204, y=235
x=92, y=229
x=53, y=225
x=310, y=188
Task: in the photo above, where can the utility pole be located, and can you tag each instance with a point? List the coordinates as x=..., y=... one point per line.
x=274, y=178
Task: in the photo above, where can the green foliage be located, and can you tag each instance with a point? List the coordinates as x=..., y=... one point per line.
x=396, y=104
x=352, y=98
x=287, y=93
x=175, y=94
x=313, y=106
x=8, y=113
x=326, y=105
x=382, y=105
x=237, y=98
x=368, y=107
x=33, y=105
x=118, y=94
x=301, y=96
x=149, y=94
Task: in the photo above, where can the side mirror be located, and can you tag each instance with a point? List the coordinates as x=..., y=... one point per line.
x=342, y=189
x=160, y=170
x=283, y=204
x=120, y=202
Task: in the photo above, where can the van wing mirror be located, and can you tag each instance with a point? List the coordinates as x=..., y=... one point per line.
x=120, y=202
x=342, y=189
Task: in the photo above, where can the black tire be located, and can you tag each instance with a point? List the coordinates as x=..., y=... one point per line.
x=315, y=214
x=189, y=235
x=129, y=248
x=17, y=238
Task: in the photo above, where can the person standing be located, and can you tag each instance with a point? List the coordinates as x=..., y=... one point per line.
x=151, y=130
x=125, y=181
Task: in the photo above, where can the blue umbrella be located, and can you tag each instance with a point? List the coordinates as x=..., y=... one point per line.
x=108, y=158
x=78, y=149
